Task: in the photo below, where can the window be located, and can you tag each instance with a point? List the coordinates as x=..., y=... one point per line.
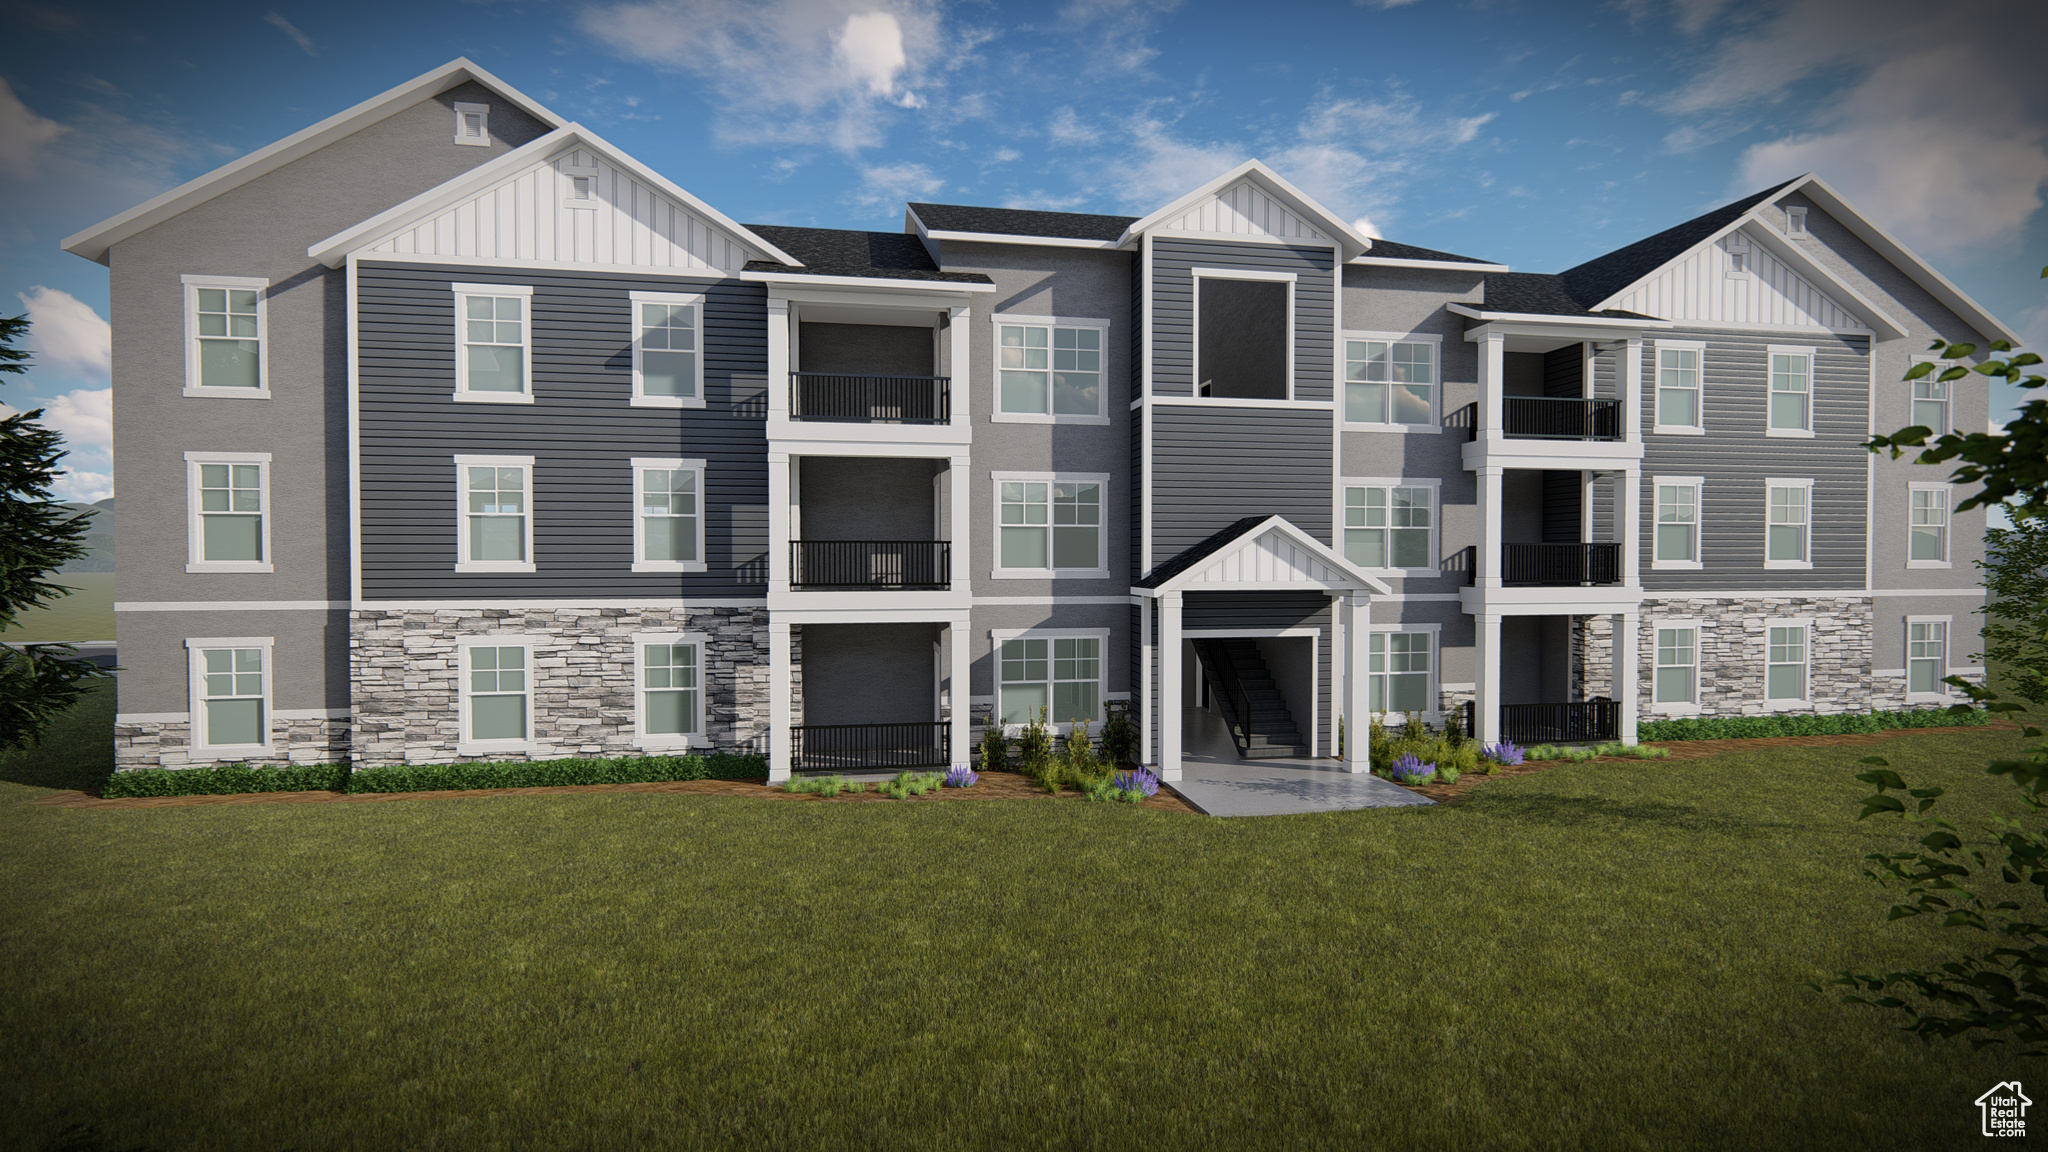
x=1243, y=326
x=1390, y=526
x=668, y=360
x=1398, y=666
x=496, y=534
x=1795, y=223
x=1050, y=369
x=1062, y=674
x=668, y=515
x=1785, y=671
x=473, y=124
x=230, y=697
x=1928, y=532
x=224, y=325
x=1678, y=386
x=1791, y=410
x=1786, y=533
x=497, y=694
x=1930, y=399
x=1678, y=522
x=670, y=701
x=227, y=494
x=1049, y=524
x=1926, y=656
x=493, y=341
x=1677, y=674
x=1390, y=382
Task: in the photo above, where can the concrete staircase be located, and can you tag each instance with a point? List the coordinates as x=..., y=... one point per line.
x=1259, y=718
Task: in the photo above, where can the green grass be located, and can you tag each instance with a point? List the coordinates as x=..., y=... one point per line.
x=1596, y=956
x=86, y=614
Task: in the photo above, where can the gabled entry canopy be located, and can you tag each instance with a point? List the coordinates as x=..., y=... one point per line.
x=1259, y=553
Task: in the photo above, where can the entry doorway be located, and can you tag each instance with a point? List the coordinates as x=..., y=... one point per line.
x=1252, y=694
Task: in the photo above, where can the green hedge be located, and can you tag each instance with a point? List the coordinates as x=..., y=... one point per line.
x=226, y=780
x=1804, y=724
x=550, y=773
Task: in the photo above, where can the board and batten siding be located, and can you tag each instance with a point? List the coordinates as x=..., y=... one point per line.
x=581, y=431
x=1699, y=289
x=1734, y=458
x=1172, y=323
x=1245, y=209
x=1270, y=611
x=1214, y=466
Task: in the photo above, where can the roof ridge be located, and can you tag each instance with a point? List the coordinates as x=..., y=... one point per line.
x=1594, y=280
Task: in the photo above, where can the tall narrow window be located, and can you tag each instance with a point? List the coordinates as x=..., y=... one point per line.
x=1050, y=369
x=1787, y=534
x=1389, y=527
x=1678, y=389
x=669, y=689
x=1398, y=667
x=493, y=337
x=1053, y=524
x=1390, y=382
x=232, y=694
x=1785, y=674
x=1791, y=391
x=497, y=523
x=498, y=692
x=1677, y=666
x=1930, y=402
x=1677, y=523
x=1926, y=657
x=225, y=321
x=669, y=516
x=668, y=358
x=1061, y=674
x=228, y=494
x=1929, y=529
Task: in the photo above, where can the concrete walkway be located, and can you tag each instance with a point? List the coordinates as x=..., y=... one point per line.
x=1233, y=787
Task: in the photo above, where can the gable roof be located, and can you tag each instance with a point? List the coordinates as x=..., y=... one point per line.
x=1187, y=568
x=843, y=252
x=1020, y=222
x=93, y=242
x=1606, y=276
x=1349, y=242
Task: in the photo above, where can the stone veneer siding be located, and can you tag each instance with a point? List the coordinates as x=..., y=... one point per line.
x=167, y=743
x=1733, y=648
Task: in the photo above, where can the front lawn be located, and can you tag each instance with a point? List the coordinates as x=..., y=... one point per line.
x=1600, y=955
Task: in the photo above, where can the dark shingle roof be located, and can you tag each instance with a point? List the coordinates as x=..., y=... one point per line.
x=1022, y=222
x=1539, y=294
x=1200, y=552
x=839, y=252
x=1388, y=250
x=1603, y=276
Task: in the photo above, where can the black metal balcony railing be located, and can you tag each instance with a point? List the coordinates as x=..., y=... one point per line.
x=870, y=399
x=870, y=747
x=1592, y=720
x=887, y=565
x=1560, y=564
x=1560, y=418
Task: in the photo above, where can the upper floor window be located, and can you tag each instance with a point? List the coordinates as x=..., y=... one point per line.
x=1390, y=526
x=496, y=705
x=494, y=341
x=224, y=323
x=473, y=124
x=668, y=359
x=1050, y=369
x=230, y=683
x=1676, y=687
x=1244, y=323
x=496, y=534
x=1061, y=674
x=669, y=705
x=1926, y=655
x=1678, y=386
x=1930, y=398
x=227, y=494
x=668, y=516
x=1791, y=401
x=1050, y=524
x=1390, y=382
x=1785, y=670
x=1787, y=533
x=1677, y=543
x=1928, y=529
x=1398, y=667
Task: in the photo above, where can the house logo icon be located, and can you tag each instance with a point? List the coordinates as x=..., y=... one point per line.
x=2004, y=1110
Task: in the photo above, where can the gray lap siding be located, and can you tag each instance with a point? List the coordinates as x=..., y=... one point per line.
x=1212, y=466
x=581, y=431
x=1172, y=323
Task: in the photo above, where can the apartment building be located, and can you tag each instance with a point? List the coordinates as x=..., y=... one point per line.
x=448, y=430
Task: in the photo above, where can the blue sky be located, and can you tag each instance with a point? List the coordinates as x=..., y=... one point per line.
x=1535, y=134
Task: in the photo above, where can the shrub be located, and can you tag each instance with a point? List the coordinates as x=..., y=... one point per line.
x=1446, y=774
x=995, y=747
x=1034, y=748
x=961, y=776
x=1120, y=738
x=1563, y=752
x=227, y=780
x=1445, y=749
x=1804, y=724
x=908, y=784
x=1411, y=770
x=1632, y=751
x=1143, y=781
x=553, y=773
x=1505, y=752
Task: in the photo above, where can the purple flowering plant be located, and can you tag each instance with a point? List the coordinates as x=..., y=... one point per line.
x=1412, y=769
x=1504, y=752
x=1141, y=781
x=961, y=776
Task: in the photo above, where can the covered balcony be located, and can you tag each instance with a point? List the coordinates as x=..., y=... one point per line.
x=867, y=366
x=1558, y=529
x=868, y=524
x=870, y=699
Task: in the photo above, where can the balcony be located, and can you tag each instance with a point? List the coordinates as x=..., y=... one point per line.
x=1581, y=723
x=870, y=565
x=870, y=747
x=1560, y=565
x=1559, y=418
x=842, y=398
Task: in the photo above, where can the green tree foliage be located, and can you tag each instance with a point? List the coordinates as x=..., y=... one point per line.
x=38, y=682
x=2016, y=618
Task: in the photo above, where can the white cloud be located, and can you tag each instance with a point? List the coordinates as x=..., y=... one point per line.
x=1163, y=167
x=305, y=42
x=885, y=188
x=1366, y=228
x=870, y=48
x=86, y=418
x=1115, y=35
x=23, y=135
x=1066, y=128
x=67, y=336
x=83, y=487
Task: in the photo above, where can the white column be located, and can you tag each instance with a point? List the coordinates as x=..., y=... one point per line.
x=1488, y=559
x=1629, y=501
x=779, y=680
x=958, y=487
x=1169, y=686
x=1486, y=698
x=1632, y=390
x=1149, y=709
x=1492, y=378
x=957, y=631
x=1627, y=676
x=962, y=367
x=1357, y=678
x=779, y=365
x=1587, y=492
x=779, y=500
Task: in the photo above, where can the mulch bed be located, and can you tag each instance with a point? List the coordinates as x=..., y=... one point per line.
x=993, y=786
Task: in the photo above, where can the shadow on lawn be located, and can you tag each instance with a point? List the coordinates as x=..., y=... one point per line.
x=77, y=752
x=1598, y=811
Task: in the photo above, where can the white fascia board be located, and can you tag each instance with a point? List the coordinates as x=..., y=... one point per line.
x=1478, y=313
x=1789, y=252
x=868, y=282
x=1278, y=524
x=1448, y=265
x=1902, y=257
x=1348, y=240
x=1042, y=241
x=94, y=242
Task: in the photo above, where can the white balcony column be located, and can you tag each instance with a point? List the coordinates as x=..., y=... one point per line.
x=780, y=678
x=1487, y=574
x=1588, y=492
x=1628, y=496
x=1357, y=679
x=1626, y=676
x=1492, y=379
x=960, y=387
x=780, y=362
x=1170, y=686
x=780, y=509
x=1486, y=696
x=1631, y=377
x=957, y=673
x=960, y=542
x=1149, y=711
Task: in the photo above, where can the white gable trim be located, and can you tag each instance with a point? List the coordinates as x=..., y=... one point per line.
x=94, y=242
x=1271, y=557
x=1348, y=241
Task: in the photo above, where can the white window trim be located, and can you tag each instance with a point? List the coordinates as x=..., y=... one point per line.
x=996, y=480
x=995, y=406
x=1699, y=522
x=642, y=738
x=1812, y=358
x=462, y=392
x=1435, y=715
x=640, y=562
x=1948, y=405
x=1657, y=350
x=190, y=294
x=640, y=398
x=462, y=561
x=1435, y=486
x=998, y=635
x=1795, y=223
x=590, y=203
x=1197, y=275
x=1947, y=694
x=1677, y=708
x=1805, y=702
x=1735, y=243
x=1771, y=482
x=483, y=139
x=195, y=537
x=1948, y=534
x=1436, y=396
x=199, y=749
x=464, y=746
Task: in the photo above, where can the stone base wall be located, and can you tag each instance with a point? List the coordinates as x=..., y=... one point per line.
x=1733, y=642
x=168, y=743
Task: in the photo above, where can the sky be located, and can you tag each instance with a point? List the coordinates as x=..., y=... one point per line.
x=1532, y=134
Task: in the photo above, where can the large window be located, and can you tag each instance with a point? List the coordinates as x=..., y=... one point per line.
x=1061, y=674
x=224, y=324
x=1928, y=531
x=1791, y=402
x=1677, y=681
x=1390, y=382
x=669, y=707
x=1390, y=526
x=1050, y=369
x=1787, y=535
x=1678, y=523
x=228, y=494
x=1926, y=656
x=1785, y=672
x=668, y=359
x=493, y=343
x=496, y=533
x=1678, y=386
x=1049, y=524
x=1398, y=665
x=1243, y=324
x=230, y=697
x=497, y=694
x=668, y=515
